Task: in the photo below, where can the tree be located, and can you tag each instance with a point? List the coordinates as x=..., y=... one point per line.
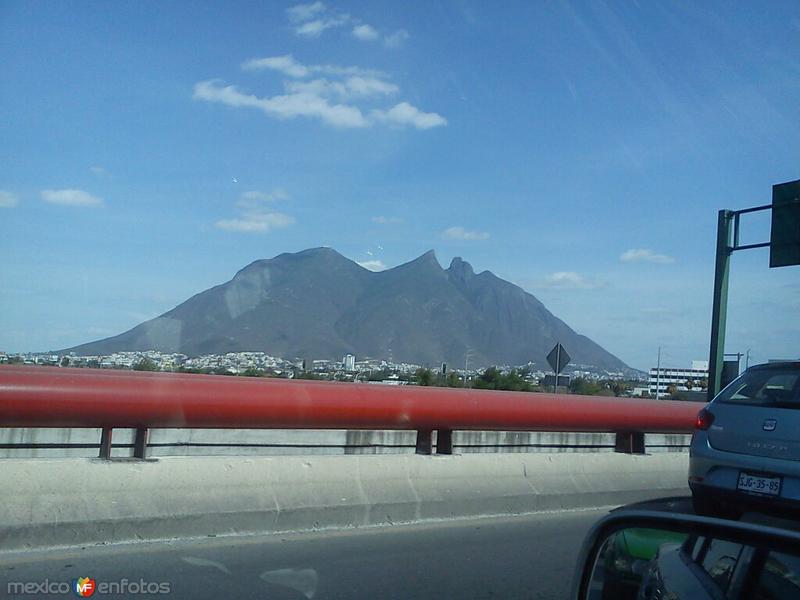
x=618, y=387
x=424, y=376
x=453, y=380
x=585, y=387
x=252, y=372
x=146, y=364
x=487, y=380
x=493, y=379
x=195, y=370
x=308, y=375
x=378, y=375
x=514, y=382
x=65, y=361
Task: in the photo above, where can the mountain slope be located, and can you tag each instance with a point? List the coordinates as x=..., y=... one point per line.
x=319, y=304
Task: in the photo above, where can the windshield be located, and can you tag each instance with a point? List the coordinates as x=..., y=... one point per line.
x=778, y=388
x=276, y=266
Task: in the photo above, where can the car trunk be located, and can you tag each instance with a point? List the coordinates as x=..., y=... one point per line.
x=756, y=430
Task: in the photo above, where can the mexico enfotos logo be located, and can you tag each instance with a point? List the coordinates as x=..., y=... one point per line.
x=85, y=587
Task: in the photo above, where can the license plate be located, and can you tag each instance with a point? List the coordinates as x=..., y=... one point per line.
x=771, y=486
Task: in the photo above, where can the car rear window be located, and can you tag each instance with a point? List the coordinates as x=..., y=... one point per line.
x=764, y=387
x=720, y=560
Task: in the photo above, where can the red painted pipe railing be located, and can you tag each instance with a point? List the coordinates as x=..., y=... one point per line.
x=69, y=397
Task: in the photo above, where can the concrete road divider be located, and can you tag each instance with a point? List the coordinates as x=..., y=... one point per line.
x=53, y=502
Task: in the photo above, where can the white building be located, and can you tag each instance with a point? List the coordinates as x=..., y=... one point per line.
x=660, y=379
x=349, y=363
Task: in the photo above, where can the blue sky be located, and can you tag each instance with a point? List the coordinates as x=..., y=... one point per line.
x=149, y=150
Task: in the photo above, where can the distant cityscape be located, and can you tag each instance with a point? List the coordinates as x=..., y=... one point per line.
x=237, y=363
x=664, y=382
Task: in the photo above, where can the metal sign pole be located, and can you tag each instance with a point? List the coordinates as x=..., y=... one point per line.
x=784, y=248
x=719, y=311
x=558, y=367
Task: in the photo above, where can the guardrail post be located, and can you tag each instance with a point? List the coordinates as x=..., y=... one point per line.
x=105, y=443
x=629, y=442
x=140, y=442
x=424, y=441
x=444, y=441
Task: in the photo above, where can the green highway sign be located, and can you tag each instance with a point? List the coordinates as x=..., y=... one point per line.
x=784, y=248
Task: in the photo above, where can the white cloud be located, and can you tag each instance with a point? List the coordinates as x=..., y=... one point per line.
x=285, y=64
x=312, y=99
x=267, y=196
x=345, y=71
x=315, y=28
x=257, y=224
x=386, y=220
x=396, y=39
x=645, y=255
x=255, y=213
x=304, y=12
x=459, y=233
x=373, y=265
x=99, y=171
x=311, y=20
x=406, y=114
x=8, y=200
x=370, y=86
x=365, y=33
x=320, y=87
x=351, y=87
x=569, y=280
x=323, y=97
x=286, y=106
x=71, y=198
x=255, y=200
x=312, y=28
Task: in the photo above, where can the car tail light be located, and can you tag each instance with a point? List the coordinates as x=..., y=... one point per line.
x=704, y=420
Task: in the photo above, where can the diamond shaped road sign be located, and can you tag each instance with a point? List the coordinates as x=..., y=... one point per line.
x=558, y=358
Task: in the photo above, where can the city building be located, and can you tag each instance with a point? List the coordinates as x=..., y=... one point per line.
x=349, y=363
x=661, y=379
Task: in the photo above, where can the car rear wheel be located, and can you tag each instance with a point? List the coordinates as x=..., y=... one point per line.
x=713, y=507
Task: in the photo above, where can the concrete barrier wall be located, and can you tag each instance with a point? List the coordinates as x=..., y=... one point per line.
x=253, y=442
x=49, y=502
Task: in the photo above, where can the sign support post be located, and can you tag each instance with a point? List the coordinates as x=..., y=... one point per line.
x=719, y=310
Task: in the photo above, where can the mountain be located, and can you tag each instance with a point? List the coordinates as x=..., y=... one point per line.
x=319, y=304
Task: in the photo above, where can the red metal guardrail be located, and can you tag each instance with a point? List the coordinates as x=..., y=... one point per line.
x=70, y=397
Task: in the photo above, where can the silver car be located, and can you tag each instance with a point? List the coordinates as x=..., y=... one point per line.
x=745, y=451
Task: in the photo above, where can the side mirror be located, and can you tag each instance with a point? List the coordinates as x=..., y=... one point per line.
x=650, y=555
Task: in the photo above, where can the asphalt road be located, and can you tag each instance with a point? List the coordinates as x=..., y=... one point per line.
x=515, y=557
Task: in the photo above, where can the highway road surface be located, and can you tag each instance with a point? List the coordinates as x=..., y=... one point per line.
x=530, y=556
